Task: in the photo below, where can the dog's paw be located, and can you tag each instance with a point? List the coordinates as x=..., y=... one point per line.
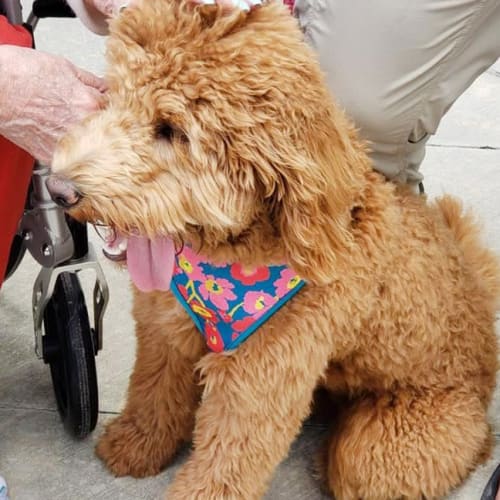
x=200, y=479
x=126, y=449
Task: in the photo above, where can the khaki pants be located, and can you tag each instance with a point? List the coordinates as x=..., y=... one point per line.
x=396, y=66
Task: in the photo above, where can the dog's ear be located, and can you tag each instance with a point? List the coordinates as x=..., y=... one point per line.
x=315, y=194
x=208, y=14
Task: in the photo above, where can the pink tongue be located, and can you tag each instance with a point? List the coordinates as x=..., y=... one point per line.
x=150, y=262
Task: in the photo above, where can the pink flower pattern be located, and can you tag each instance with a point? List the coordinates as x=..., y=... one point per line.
x=287, y=281
x=218, y=291
x=257, y=303
x=189, y=264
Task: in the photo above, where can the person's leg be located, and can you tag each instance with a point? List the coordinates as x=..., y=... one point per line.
x=396, y=66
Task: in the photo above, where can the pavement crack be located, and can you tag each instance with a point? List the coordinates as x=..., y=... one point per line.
x=465, y=146
x=49, y=410
x=28, y=408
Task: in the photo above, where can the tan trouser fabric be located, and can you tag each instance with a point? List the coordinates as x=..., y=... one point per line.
x=397, y=66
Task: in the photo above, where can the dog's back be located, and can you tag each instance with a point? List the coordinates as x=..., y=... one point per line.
x=481, y=270
x=483, y=263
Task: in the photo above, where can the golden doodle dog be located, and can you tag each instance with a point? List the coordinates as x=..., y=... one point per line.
x=221, y=144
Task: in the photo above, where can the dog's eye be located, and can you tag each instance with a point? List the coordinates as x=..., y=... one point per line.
x=165, y=130
x=168, y=132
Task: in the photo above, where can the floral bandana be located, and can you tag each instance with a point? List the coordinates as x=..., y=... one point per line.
x=229, y=302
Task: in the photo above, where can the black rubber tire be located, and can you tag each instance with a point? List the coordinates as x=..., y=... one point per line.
x=17, y=251
x=68, y=349
x=17, y=248
x=491, y=488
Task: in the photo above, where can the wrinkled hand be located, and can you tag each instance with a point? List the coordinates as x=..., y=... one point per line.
x=231, y=4
x=109, y=8
x=41, y=96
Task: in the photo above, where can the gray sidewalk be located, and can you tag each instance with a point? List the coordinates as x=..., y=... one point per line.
x=37, y=458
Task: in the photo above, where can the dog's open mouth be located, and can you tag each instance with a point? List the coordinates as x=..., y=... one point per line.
x=150, y=263
x=115, y=245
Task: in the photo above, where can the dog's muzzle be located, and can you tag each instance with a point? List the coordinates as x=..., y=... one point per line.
x=62, y=191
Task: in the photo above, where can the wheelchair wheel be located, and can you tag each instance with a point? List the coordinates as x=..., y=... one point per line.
x=17, y=251
x=68, y=349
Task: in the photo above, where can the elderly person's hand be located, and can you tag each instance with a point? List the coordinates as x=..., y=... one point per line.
x=111, y=7
x=231, y=4
x=96, y=13
x=107, y=7
x=42, y=96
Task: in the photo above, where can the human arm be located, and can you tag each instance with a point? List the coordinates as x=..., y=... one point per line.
x=41, y=96
x=95, y=13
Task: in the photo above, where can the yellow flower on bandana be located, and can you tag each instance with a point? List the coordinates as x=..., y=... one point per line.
x=218, y=291
x=188, y=263
x=287, y=281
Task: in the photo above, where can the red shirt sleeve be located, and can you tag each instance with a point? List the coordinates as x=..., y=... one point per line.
x=14, y=35
x=15, y=164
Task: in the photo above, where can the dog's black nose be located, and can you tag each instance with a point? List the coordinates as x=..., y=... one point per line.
x=62, y=191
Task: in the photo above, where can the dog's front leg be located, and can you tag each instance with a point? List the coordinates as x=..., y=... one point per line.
x=163, y=391
x=253, y=405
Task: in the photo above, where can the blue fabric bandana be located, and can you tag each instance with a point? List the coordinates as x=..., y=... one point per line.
x=229, y=302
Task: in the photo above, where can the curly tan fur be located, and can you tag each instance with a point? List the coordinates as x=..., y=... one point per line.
x=259, y=166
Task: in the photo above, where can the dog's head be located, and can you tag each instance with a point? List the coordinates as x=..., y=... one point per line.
x=220, y=133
